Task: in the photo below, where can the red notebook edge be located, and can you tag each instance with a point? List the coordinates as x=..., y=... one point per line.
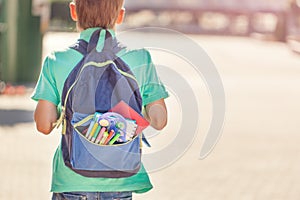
x=126, y=111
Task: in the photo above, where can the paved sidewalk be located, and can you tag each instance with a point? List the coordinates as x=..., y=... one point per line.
x=257, y=157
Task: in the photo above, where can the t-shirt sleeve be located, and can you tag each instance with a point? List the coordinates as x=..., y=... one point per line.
x=152, y=87
x=45, y=88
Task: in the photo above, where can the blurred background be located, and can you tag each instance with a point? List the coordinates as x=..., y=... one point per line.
x=255, y=45
x=24, y=23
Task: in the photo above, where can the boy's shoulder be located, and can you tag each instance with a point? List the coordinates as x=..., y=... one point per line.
x=61, y=62
x=63, y=55
x=136, y=56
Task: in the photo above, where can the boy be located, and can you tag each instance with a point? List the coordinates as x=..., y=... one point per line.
x=91, y=15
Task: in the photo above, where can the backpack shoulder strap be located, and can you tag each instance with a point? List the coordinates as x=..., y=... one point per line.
x=80, y=46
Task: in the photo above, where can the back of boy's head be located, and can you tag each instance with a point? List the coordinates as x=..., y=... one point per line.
x=98, y=13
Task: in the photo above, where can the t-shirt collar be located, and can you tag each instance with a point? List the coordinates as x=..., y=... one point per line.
x=87, y=33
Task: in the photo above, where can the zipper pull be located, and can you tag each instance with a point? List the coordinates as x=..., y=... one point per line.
x=61, y=119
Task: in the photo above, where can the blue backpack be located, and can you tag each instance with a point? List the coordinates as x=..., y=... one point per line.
x=94, y=141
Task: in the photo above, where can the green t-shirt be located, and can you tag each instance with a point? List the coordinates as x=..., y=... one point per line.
x=55, y=70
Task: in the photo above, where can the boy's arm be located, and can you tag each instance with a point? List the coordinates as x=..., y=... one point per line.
x=44, y=116
x=156, y=114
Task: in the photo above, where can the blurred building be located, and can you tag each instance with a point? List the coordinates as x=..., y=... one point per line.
x=274, y=18
x=21, y=31
x=23, y=22
x=226, y=17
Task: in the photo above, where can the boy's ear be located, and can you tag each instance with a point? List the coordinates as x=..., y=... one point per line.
x=73, y=12
x=121, y=16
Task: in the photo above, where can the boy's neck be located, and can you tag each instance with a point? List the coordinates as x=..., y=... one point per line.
x=79, y=29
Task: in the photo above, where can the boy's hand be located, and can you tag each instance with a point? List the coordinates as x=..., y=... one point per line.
x=156, y=114
x=44, y=116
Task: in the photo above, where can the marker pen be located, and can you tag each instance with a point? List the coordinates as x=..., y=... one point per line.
x=100, y=135
x=84, y=131
x=105, y=135
x=96, y=133
x=114, y=139
x=109, y=137
x=95, y=119
x=96, y=125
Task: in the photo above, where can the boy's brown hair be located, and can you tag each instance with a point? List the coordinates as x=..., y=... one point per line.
x=98, y=13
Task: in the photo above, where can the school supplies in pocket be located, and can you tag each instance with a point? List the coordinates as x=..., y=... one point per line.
x=110, y=128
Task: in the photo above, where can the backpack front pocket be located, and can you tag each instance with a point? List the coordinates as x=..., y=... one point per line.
x=87, y=155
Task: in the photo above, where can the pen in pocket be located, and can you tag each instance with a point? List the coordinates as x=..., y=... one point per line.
x=84, y=131
x=114, y=139
x=93, y=131
x=109, y=137
x=105, y=135
x=96, y=133
x=95, y=119
x=100, y=135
